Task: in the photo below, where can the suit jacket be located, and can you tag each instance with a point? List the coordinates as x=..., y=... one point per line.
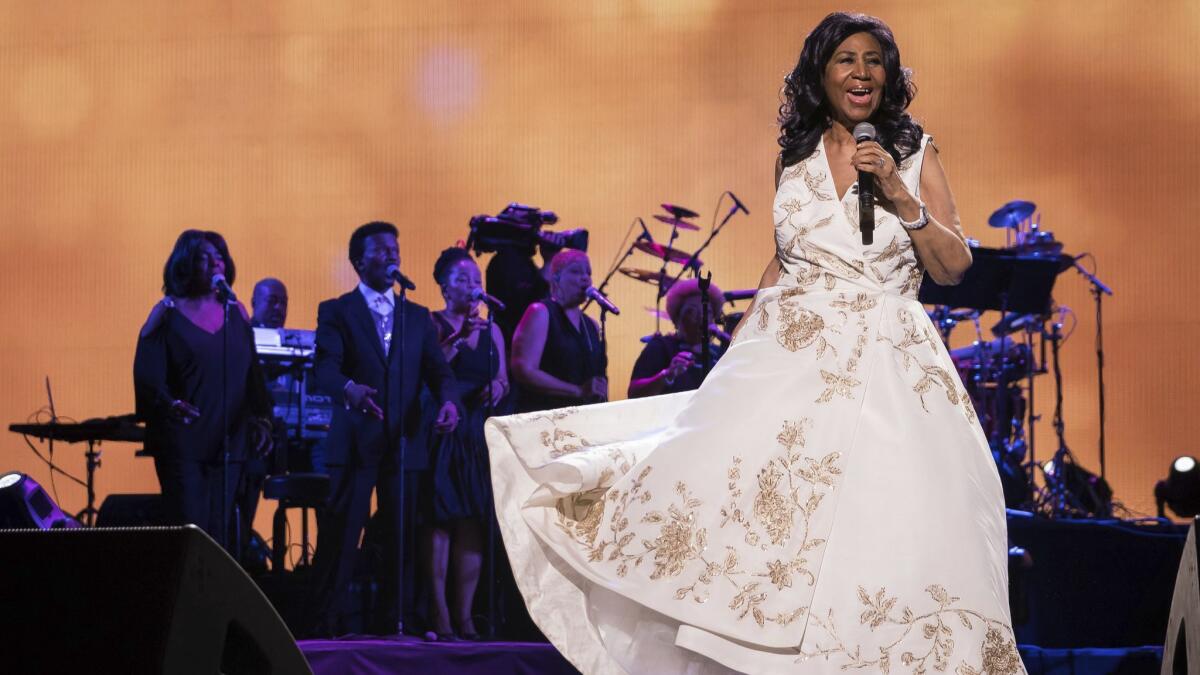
x=348, y=348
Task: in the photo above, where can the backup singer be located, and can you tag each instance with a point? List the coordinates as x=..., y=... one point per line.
x=674, y=363
x=558, y=357
x=185, y=351
x=517, y=281
x=373, y=355
x=462, y=495
x=826, y=501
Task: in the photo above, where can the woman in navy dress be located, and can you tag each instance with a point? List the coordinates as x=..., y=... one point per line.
x=189, y=363
x=462, y=496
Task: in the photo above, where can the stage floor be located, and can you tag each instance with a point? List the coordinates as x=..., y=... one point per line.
x=370, y=655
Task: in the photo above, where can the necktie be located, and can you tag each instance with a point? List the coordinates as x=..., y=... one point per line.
x=383, y=311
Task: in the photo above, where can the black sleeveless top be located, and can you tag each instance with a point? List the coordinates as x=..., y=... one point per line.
x=570, y=355
x=472, y=368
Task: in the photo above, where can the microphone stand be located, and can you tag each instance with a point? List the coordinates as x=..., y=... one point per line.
x=1099, y=290
x=616, y=265
x=706, y=345
x=662, y=273
x=225, y=522
x=401, y=526
x=691, y=261
x=490, y=409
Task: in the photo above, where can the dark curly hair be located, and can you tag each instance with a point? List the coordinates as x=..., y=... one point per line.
x=180, y=279
x=804, y=114
x=358, y=240
x=448, y=258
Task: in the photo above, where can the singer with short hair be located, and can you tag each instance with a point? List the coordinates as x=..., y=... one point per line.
x=826, y=501
x=375, y=350
x=189, y=365
x=558, y=357
x=673, y=363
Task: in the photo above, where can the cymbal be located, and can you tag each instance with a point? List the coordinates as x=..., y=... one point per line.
x=1012, y=214
x=653, y=278
x=666, y=252
x=681, y=224
x=657, y=313
x=679, y=211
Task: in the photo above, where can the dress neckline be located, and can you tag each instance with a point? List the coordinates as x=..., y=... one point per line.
x=850, y=189
x=200, y=328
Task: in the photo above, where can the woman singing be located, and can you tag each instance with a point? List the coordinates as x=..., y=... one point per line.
x=461, y=486
x=189, y=366
x=558, y=358
x=826, y=501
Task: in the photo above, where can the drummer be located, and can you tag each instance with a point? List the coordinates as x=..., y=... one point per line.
x=673, y=363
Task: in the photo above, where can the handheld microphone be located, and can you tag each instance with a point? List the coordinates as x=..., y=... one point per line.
x=221, y=286
x=602, y=301
x=480, y=295
x=740, y=294
x=865, y=131
x=737, y=204
x=394, y=273
x=719, y=333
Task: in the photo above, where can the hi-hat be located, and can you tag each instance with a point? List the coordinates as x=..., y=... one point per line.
x=666, y=253
x=676, y=222
x=1012, y=214
x=654, y=278
x=679, y=211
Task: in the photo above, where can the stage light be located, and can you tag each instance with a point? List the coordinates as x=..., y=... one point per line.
x=1180, y=490
x=25, y=505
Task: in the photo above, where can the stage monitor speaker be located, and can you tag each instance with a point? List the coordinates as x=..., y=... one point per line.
x=134, y=600
x=1181, y=653
x=130, y=510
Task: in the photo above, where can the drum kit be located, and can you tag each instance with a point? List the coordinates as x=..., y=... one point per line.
x=998, y=374
x=679, y=218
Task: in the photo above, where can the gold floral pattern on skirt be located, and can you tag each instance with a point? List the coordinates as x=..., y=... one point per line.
x=931, y=375
x=631, y=530
x=938, y=628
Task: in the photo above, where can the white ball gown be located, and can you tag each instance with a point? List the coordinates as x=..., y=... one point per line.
x=825, y=502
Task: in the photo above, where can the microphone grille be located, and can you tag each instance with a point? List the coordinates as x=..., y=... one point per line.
x=864, y=131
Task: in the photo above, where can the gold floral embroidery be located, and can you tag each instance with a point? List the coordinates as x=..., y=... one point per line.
x=912, y=282
x=861, y=303
x=791, y=488
x=937, y=626
x=799, y=327
x=931, y=375
x=811, y=180
x=563, y=442
x=802, y=231
x=837, y=384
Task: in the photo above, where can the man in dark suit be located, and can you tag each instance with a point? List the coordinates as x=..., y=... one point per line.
x=373, y=353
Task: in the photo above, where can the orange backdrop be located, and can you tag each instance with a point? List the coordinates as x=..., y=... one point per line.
x=286, y=124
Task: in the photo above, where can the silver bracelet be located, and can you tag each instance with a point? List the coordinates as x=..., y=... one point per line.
x=921, y=221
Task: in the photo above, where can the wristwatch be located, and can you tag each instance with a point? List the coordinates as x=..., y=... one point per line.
x=921, y=221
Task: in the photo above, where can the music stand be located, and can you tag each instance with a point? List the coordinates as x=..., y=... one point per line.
x=999, y=280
